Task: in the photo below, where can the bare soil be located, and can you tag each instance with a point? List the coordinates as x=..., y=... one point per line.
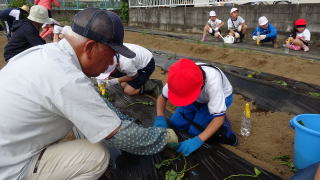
x=3, y=42
x=287, y=66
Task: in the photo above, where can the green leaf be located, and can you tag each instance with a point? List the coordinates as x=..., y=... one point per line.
x=282, y=158
x=282, y=83
x=257, y=171
x=316, y=94
x=158, y=166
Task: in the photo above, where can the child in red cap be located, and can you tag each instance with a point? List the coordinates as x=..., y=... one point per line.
x=300, y=37
x=203, y=94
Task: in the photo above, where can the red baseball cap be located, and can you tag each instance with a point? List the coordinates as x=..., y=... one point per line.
x=300, y=22
x=185, y=80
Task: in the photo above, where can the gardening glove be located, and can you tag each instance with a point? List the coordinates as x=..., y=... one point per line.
x=57, y=29
x=236, y=35
x=188, y=146
x=262, y=37
x=160, y=122
x=216, y=29
x=255, y=38
x=112, y=82
x=239, y=28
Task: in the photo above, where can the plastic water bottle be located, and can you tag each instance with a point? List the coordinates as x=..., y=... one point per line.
x=246, y=122
x=286, y=49
x=258, y=40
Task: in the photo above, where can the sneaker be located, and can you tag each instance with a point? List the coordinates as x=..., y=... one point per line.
x=152, y=87
x=306, y=48
x=225, y=135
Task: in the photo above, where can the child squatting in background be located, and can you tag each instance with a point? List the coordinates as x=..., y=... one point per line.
x=213, y=26
x=300, y=37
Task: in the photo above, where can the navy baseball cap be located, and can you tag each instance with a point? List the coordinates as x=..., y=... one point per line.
x=102, y=26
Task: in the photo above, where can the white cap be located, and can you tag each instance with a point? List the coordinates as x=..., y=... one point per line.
x=39, y=14
x=212, y=13
x=263, y=20
x=233, y=10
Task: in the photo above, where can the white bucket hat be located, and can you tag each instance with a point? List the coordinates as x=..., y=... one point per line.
x=212, y=13
x=263, y=20
x=233, y=10
x=39, y=14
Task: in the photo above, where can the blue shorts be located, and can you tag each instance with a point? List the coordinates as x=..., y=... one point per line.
x=198, y=113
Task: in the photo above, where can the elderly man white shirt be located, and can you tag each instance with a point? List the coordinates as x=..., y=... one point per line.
x=44, y=93
x=48, y=103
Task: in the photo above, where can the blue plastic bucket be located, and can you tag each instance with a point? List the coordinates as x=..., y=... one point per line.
x=306, y=140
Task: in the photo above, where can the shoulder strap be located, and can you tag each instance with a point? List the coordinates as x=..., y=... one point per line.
x=209, y=65
x=196, y=125
x=233, y=24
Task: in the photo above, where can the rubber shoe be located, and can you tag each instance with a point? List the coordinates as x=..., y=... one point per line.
x=306, y=48
x=152, y=87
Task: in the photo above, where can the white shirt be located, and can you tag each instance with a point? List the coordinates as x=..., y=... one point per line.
x=131, y=66
x=15, y=13
x=305, y=34
x=217, y=88
x=234, y=24
x=44, y=93
x=214, y=24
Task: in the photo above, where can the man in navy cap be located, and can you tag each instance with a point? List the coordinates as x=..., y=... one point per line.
x=45, y=91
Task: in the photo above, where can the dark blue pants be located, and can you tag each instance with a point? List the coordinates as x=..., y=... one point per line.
x=198, y=113
x=306, y=173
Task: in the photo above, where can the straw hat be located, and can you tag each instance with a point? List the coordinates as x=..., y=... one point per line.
x=25, y=8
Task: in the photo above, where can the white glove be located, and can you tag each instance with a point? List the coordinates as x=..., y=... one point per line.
x=210, y=30
x=216, y=29
x=112, y=82
x=57, y=29
x=255, y=38
x=239, y=28
x=236, y=35
x=262, y=37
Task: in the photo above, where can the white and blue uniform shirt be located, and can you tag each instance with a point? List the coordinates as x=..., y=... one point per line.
x=215, y=91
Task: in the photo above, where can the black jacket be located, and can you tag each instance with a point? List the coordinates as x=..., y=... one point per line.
x=24, y=36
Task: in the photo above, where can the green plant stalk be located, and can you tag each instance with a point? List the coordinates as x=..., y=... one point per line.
x=141, y=102
x=167, y=162
x=243, y=175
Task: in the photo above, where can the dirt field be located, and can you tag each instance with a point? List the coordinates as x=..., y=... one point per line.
x=287, y=66
x=3, y=42
x=271, y=133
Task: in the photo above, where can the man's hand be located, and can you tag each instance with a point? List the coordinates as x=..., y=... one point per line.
x=160, y=122
x=188, y=146
x=113, y=81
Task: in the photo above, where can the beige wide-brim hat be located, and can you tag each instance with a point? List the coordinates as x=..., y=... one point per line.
x=39, y=14
x=25, y=8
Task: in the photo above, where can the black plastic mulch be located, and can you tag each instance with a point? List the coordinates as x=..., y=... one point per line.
x=214, y=161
